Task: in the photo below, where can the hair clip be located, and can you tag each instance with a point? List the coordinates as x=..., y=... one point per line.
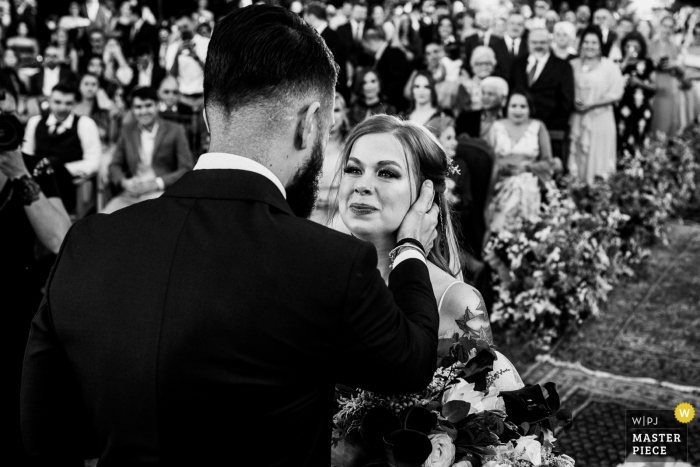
x=452, y=168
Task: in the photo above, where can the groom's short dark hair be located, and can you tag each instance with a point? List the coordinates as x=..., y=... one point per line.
x=264, y=53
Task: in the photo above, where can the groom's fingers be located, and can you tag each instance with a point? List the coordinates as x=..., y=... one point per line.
x=425, y=199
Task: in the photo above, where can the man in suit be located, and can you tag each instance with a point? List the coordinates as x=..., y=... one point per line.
x=550, y=82
x=145, y=71
x=515, y=41
x=496, y=43
x=177, y=330
x=52, y=72
x=315, y=15
x=150, y=156
x=351, y=34
x=605, y=21
x=391, y=65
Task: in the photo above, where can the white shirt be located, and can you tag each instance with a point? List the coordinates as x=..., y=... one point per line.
x=541, y=62
x=604, y=33
x=88, y=134
x=190, y=73
x=148, y=143
x=144, y=77
x=92, y=9
x=357, y=30
x=512, y=43
x=220, y=160
x=51, y=79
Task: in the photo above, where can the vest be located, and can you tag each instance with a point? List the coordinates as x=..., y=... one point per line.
x=65, y=147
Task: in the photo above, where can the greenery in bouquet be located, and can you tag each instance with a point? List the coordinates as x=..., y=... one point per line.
x=461, y=419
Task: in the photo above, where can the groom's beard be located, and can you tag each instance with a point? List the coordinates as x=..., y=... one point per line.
x=302, y=192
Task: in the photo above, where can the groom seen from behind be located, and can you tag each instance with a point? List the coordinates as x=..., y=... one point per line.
x=208, y=326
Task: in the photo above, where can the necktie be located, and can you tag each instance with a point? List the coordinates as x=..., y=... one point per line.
x=531, y=74
x=512, y=47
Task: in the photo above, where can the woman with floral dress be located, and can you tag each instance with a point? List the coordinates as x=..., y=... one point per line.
x=634, y=112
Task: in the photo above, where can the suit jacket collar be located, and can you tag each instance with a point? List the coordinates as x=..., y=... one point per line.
x=229, y=184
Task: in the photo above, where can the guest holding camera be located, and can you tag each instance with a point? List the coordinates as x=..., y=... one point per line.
x=185, y=58
x=30, y=210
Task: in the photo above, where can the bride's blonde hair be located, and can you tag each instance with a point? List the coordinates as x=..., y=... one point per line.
x=428, y=159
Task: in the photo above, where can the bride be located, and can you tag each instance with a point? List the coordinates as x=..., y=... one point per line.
x=381, y=167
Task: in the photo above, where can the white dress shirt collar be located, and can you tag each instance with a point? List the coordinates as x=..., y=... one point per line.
x=52, y=122
x=221, y=160
x=322, y=27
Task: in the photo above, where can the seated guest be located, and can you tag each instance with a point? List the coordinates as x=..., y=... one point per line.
x=564, y=40
x=30, y=211
x=170, y=108
x=447, y=38
x=146, y=73
x=27, y=47
x=90, y=105
x=151, y=154
x=423, y=98
x=477, y=123
x=50, y=74
x=483, y=62
x=523, y=156
x=391, y=66
x=370, y=102
x=70, y=142
x=169, y=97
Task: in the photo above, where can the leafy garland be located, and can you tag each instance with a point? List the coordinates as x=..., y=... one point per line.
x=559, y=270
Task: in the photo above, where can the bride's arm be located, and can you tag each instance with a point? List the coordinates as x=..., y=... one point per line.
x=465, y=310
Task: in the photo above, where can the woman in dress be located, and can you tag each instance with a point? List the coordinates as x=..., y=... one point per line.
x=383, y=165
x=667, y=102
x=446, y=36
x=599, y=85
x=370, y=102
x=89, y=105
x=69, y=55
x=379, y=20
x=423, y=98
x=564, y=40
x=634, y=112
x=523, y=158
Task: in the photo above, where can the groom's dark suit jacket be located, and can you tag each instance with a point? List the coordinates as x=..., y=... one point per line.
x=208, y=327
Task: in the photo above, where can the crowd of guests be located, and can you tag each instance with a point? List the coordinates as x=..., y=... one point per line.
x=517, y=93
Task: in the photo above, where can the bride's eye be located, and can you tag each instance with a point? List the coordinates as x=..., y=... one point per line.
x=385, y=173
x=350, y=169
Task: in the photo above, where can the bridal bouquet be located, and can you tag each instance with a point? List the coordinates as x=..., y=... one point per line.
x=462, y=419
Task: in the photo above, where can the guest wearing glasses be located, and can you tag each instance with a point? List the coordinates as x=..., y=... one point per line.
x=483, y=62
x=51, y=73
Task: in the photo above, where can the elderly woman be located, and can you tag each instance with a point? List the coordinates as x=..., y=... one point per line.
x=477, y=123
x=483, y=63
x=564, y=40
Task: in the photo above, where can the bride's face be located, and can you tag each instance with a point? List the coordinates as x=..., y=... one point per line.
x=375, y=189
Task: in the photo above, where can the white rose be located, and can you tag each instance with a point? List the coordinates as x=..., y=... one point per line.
x=444, y=450
x=528, y=448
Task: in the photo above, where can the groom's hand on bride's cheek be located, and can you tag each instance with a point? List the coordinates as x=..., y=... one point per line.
x=421, y=220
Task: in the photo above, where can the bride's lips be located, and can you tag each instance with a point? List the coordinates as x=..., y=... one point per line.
x=360, y=209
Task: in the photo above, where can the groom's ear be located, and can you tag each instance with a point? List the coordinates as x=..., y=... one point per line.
x=305, y=125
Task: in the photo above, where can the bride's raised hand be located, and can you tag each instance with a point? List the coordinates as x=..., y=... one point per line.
x=421, y=220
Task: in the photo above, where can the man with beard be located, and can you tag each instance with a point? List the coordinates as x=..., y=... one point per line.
x=179, y=330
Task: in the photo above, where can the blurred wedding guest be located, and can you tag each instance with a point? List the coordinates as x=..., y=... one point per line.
x=203, y=14
x=516, y=43
x=468, y=25
x=315, y=15
x=151, y=154
x=605, y=21
x=446, y=36
x=564, y=41
x=477, y=123
x=624, y=26
x=549, y=80
x=122, y=26
x=423, y=98
x=645, y=28
x=690, y=61
x=483, y=62
x=353, y=31
x=583, y=17
x=369, y=101
x=99, y=15
x=495, y=43
x=70, y=142
x=380, y=20
x=443, y=127
x=163, y=43
x=144, y=31
x=185, y=61
x=328, y=183
x=27, y=47
x=169, y=95
x=407, y=38
x=117, y=67
x=96, y=66
x=391, y=65
x=95, y=46
x=523, y=157
x=90, y=103
x=74, y=22
x=10, y=67
x=145, y=71
x=499, y=26
x=667, y=102
x=569, y=17
x=30, y=211
x=551, y=18
x=599, y=86
x=68, y=53
x=634, y=112
x=51, y=73
x=170, y=108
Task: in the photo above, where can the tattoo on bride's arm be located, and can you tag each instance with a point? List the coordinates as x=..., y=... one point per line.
x=475, y=324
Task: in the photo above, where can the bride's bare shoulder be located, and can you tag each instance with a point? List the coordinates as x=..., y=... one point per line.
x=459, y=296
